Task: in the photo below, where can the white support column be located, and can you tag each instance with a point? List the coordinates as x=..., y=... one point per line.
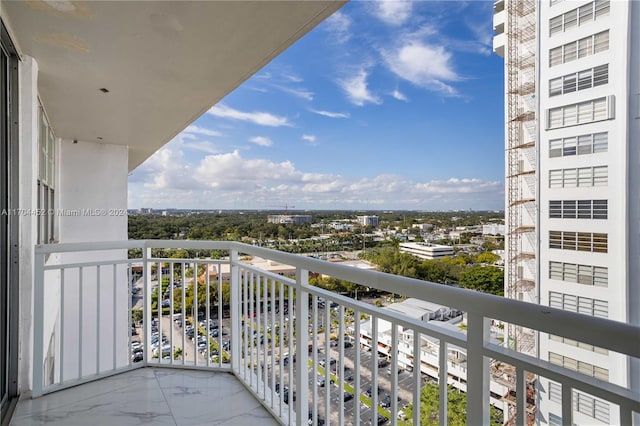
x=302, y=345
x=38, y=326
x=477, y=369
x=146, y=312
x=236, y=321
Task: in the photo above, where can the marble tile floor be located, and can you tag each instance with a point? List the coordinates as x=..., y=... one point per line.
x=148, y=396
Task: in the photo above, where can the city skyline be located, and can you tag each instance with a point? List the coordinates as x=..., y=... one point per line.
x=399, y=107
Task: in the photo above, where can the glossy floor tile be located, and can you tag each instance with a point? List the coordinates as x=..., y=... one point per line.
x=148, y=396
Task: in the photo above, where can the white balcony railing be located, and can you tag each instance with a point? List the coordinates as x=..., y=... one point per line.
x=274, y=332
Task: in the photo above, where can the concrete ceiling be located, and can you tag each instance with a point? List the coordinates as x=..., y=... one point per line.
x=164, y=63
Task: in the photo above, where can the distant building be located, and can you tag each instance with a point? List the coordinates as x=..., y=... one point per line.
x=426, y=250
x=368, y=220
x=424, y=227
x=341, y=226
x=294, y=219
x=442, y=317
x=493, y=229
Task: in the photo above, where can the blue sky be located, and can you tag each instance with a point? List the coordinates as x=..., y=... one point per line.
x=385, y=105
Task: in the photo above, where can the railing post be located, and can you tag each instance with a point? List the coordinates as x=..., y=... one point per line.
x=477, y=369
x=38, y=325
x=236, y=323
x=146, y=305
x=302, y=346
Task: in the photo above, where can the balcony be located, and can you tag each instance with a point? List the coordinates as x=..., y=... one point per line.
x=127, y=317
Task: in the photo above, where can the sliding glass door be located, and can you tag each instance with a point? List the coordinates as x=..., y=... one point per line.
x=8, y=223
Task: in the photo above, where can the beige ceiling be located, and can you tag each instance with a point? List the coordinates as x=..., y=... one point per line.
x=164, y=63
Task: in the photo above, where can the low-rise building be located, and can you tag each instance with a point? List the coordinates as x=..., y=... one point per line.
x=426, y=250
x=293, y=219
x=439, y=316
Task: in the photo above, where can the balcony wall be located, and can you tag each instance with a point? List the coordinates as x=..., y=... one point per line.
x=265, y=318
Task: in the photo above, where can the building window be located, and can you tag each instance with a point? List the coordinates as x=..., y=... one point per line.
x=579, y=49
x=46, y=180
x=580, y=113
x=582, y=367
x=578, y=209
x=579, y=145
x=582, y=402
x=581, y=80
x=582, y=177
x=579, y=304
x=578, y=241
x=579, y=16
x=555, y=420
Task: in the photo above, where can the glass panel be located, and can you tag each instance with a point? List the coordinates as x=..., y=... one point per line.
x=585, y=13
x=600, y=109
x=555, y=56
x=584, y=209
x=585, y=177
x=555, y=118
x=569, y=83
x=585, y=47
x=601, y=42
x=600, y=243
x=584, y=144
x=600, y=176
x=569, y=52
x=569, y=147
x=585, y=112
x=585, y=79
x=555, y=87
x=569, y=209
x=555, y=148
x=600, y=142
x=570, y=115
x=570, y=19
x=555, y=25
x=569, y=178
x=601, y=75
x=601, y=8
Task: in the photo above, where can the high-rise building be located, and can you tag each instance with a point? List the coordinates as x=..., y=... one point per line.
x=368, y=220
x=572, y=141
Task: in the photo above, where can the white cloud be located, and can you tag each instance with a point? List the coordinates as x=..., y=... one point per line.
x=202, y=146
x=424, y=65
x=261, y=140
x=338, y=25
x=300, y=93
x=201, y=131
x=330, y=113
x=357, y=89
x=294, y=78
x=256, y=117
x=228, y=180
x=310, y=138
x=399, y=95
x=393, y=12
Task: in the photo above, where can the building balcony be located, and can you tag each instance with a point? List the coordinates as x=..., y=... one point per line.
x=130, y=332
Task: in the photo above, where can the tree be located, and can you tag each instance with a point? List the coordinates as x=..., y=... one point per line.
x=487, y=279
x=487, y=257
x=456, y=407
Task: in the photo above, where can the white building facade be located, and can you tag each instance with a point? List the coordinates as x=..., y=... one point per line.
x=587, y=172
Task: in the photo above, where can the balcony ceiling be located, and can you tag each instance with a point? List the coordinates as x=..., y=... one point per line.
x=163, y=63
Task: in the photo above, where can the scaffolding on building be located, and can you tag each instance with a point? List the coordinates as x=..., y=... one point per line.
x=521, y=157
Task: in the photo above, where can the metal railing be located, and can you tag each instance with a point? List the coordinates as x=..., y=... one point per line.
x=286, y=340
